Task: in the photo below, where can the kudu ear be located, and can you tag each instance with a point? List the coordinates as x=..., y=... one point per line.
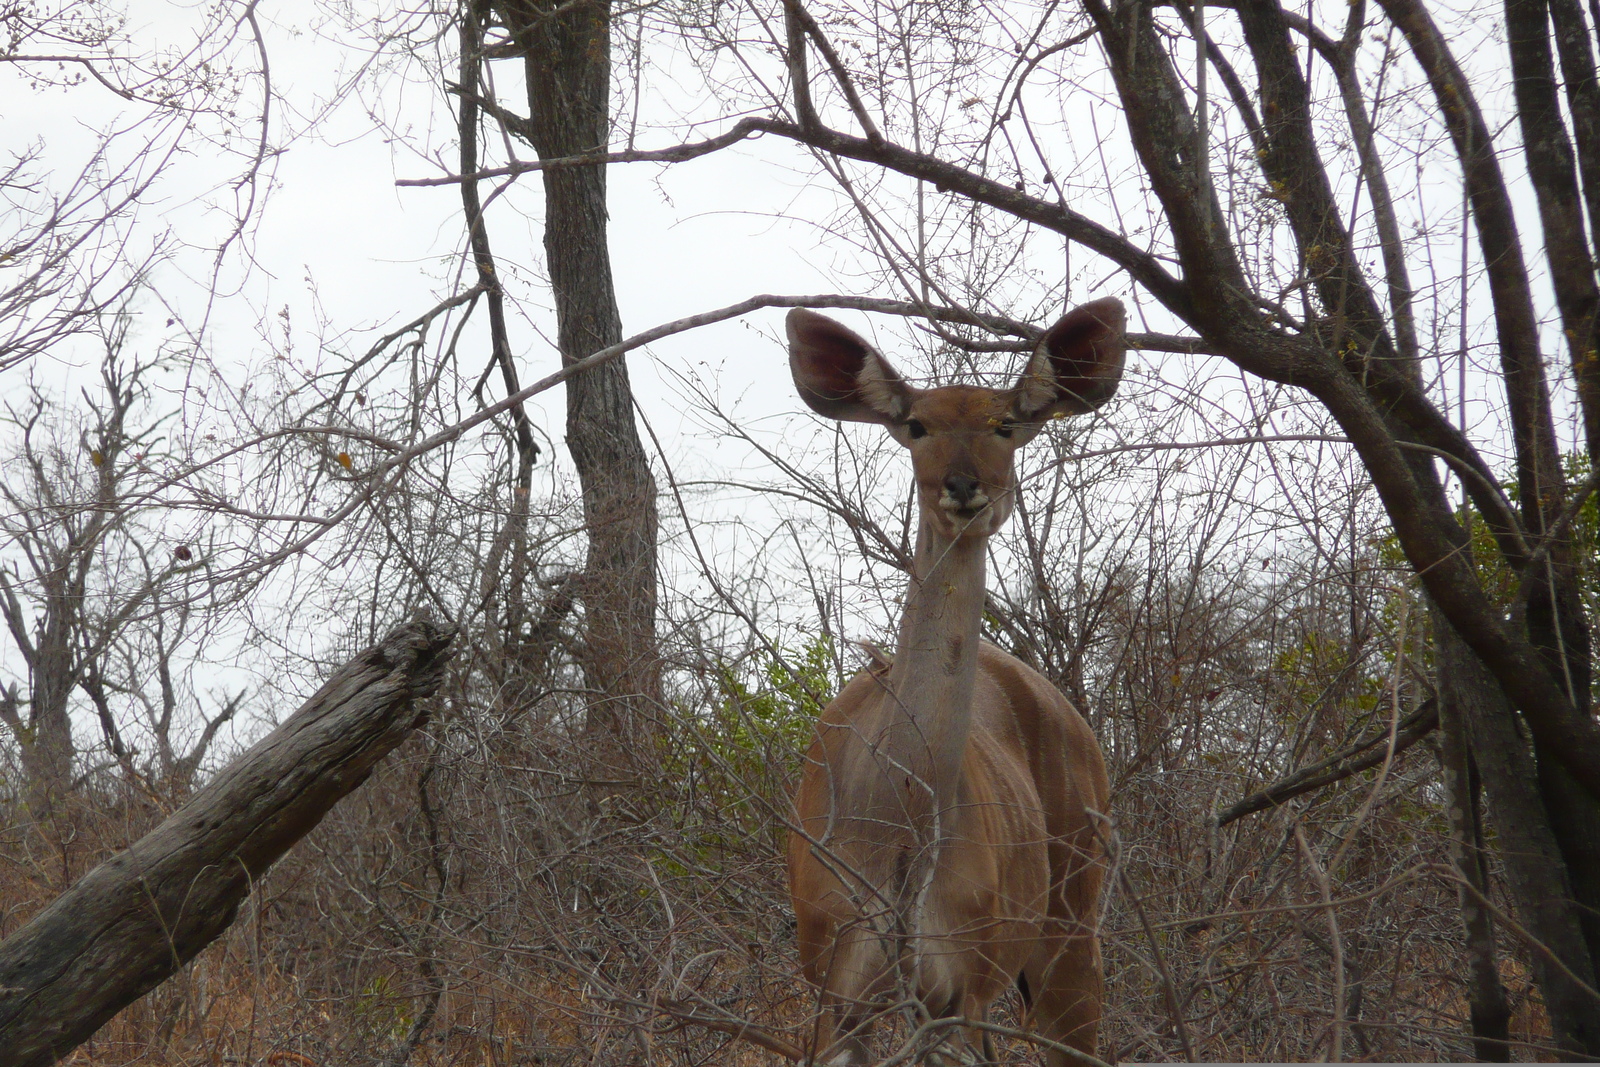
x=1077, y=365
x=841, y=376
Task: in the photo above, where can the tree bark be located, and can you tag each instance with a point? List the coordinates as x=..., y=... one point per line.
x=1535, y=870
x=1548, y=152
x=46, y=745
x=1575, y=45
x=1555, y=613
x=136, y=919
x=1486, y=994
x=567, y=53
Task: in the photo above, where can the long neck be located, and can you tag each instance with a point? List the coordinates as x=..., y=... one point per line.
x=936, y=665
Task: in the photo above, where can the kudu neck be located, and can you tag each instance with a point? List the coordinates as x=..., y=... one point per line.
x=936, y=664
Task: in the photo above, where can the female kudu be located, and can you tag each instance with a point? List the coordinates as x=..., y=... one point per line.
x=945, y=846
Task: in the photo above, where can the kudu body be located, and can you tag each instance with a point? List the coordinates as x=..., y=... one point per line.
x=945, y=845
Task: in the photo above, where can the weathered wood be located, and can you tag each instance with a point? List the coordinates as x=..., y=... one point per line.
x=134, y=920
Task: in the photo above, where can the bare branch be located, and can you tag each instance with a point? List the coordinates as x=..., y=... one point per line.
x=1339, y=766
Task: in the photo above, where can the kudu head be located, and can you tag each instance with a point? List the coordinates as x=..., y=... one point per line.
x=962, y=438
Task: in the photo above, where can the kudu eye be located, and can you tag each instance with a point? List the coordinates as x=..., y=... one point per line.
x=916, y=429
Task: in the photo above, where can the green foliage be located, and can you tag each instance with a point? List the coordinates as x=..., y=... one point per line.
x=1585, y=534
x=381, y=1012
x=781, y=707
x=1308, y=666
x=1499, y=581
x=744, y=751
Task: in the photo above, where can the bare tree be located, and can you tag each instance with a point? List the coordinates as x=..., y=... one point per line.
x=566, y=58
x=75, y=243
x=90, y=588
x=61, y=513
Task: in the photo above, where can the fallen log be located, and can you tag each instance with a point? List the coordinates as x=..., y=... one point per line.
x=134, y=920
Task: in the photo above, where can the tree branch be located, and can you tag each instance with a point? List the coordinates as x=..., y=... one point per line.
x=946, y=177
x=685, y=1013
x=802, y=17
x=1337, y=767
x=740, y=131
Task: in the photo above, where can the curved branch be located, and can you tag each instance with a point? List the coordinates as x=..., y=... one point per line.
x=1145, y=268
x=803, y=19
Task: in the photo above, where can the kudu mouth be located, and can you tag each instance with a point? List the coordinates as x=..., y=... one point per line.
x=964, y=509
x=962, y=496
x=979, y=513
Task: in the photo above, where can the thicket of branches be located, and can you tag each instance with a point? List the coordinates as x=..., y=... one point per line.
x=1315, y=614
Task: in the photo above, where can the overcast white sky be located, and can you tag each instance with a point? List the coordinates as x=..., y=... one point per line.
x=684, y=239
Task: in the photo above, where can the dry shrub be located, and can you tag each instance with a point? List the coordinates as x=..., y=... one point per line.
x=496, y=895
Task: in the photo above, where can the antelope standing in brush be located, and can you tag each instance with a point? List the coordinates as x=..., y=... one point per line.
x=945, y=847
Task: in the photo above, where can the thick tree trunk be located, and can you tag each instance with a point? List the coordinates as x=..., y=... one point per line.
x=1552, y=167
x=1486, y=995
x=568, y=62
x=136, y=919
x=1535, y=871
x=46, y=747
x=44, y=734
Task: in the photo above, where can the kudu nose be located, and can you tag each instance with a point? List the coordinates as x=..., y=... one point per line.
x=962, y=489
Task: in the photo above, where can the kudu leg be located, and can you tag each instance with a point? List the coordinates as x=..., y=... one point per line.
x=1065, y=981
x=842, y=1038
x=853, y=986
x=963, y=1046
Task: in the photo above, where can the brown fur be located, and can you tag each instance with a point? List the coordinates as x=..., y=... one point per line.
x=1031, y=774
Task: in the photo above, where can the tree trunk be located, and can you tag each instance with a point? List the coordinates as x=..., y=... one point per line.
x=46, y=746
x=1486, y=995
x=133, y=921
x=44, y=734
x=568, y=63
x=1534, y=867
x=1556, y=620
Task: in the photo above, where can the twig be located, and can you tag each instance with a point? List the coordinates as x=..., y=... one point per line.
x=1168, y=990
x=803, y=17
x=911, y=1047
x=1541, y=551
x=1390, y=750
x=1335, y=949
x=1416, y=726
x=683, y=1013
x=740, y=130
